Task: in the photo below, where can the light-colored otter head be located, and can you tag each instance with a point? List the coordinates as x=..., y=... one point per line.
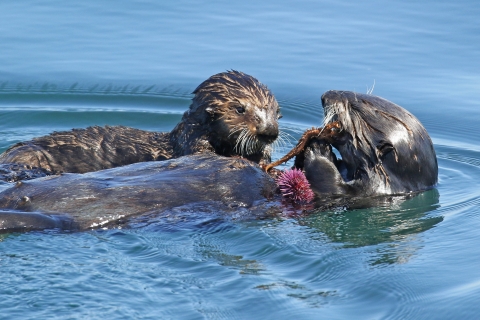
x=232, y=114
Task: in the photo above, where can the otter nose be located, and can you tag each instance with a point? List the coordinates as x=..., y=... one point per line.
x=268, y=132
x=266, y=125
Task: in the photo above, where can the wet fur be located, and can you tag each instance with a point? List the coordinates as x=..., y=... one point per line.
x=384, y=148
x=213, y=123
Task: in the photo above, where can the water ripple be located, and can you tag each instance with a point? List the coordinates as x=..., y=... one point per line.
x=199, y=264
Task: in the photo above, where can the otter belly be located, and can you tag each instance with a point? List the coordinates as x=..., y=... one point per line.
x=231, y=186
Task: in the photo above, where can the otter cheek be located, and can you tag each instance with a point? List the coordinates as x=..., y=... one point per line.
x=222, y=131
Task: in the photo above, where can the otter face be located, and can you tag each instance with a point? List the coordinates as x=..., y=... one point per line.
x=384, y=148
x=241, y=114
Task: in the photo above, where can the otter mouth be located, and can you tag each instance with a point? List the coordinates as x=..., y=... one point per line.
x=349, y=161
x=267, y=139
x=326, y=146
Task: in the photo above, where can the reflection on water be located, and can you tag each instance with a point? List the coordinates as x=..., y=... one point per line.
x=395, y=224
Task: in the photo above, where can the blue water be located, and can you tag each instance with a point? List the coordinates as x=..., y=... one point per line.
x=66, y=65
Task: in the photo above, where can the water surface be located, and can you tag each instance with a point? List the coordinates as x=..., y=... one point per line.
x=135, y=63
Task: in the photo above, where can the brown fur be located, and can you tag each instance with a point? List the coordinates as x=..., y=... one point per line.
x=226, y=107
x=215, y=119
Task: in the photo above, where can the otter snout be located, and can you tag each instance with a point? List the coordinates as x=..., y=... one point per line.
x=269, y=133
x=266, y=126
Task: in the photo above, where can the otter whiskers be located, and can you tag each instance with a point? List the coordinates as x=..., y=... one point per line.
x=235, y=130
x=284, y=141
x=247, y=143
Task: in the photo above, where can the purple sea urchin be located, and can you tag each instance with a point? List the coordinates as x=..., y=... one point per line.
x=294, y=186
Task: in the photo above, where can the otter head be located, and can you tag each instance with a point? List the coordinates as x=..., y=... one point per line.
x=232, y=114
x=384, y=148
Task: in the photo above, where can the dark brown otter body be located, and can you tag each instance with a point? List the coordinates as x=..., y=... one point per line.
x=232, y=114
x=236, y=187
x=385, y=150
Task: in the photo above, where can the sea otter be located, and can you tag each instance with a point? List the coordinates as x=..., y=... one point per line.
x=219, y=186
x=384, y=149
x=232, y=114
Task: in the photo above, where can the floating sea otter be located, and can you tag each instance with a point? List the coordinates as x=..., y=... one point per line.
x=186, y=185
x=385, y=150
x=232, y=114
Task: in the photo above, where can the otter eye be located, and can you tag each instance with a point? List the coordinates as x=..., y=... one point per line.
x=279, y=114
x=240, y=109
